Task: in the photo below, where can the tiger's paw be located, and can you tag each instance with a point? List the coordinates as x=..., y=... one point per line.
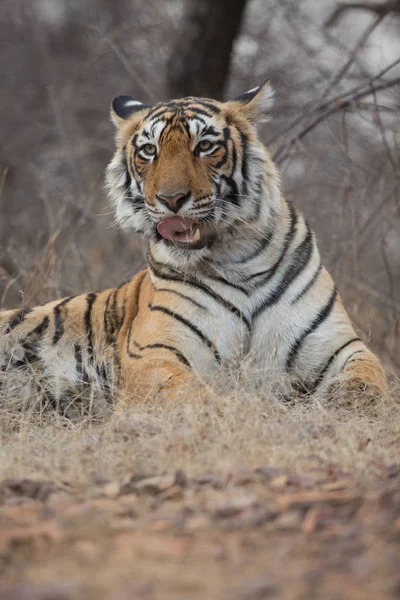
x=164, y=387
x=360, y=387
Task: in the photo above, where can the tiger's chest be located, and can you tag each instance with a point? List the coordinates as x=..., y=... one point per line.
x=237, y=334
x=216, y=330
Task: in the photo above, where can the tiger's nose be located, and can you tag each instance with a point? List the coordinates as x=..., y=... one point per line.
x=174, y=202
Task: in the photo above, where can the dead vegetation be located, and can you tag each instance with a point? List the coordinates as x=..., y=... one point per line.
x=237, y=430
x=267, y=501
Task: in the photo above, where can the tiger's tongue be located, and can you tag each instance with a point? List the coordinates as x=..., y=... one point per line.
x=177, y=228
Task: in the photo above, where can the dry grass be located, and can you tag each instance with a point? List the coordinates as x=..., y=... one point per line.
x=93, y=526
x=238, y=430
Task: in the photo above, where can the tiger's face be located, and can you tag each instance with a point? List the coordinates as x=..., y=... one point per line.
x=190, y=171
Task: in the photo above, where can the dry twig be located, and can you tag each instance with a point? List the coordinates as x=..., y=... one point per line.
x=379, y=8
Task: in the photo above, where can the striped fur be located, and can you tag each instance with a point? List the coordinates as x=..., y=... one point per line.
x=254, y=289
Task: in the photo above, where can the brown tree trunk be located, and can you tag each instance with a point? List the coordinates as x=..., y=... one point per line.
x=199, y=62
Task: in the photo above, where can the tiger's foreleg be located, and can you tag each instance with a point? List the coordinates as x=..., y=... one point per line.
x=159, y=347
x=155, y=378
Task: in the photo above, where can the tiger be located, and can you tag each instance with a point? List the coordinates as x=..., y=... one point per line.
x=234, y=274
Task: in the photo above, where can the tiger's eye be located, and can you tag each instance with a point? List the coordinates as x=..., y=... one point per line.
x=205, y=145
x=149, y=149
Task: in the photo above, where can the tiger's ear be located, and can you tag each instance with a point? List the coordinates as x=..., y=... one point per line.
x=123, y=107
x=256, y=104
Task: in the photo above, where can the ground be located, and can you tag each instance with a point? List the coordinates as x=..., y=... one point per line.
x=239, y=498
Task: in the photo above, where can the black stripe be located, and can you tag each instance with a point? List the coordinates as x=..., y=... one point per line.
x=224, y=144
x=188, y=324
x=128, y=339
x=18, y=318
x=136, y=300
x=90, y=299
x=265, y=241
x=236, y=286
x=349, y=360
x=223, y=159
x=199, y=112
x=136, y=201
x=245, y=164
x=263, y=245
x=31, y=342
x=309, y=285
x=128, y=176
x=138, y=288
x=234, y=159
x=157, y=269
x=256, y=197
x=268, y=273
x=119, y=316
x=106, y=323
x=112, y=319
x=184, y=296
x=320, y=318
x=114, y=311
x=81, y=371
x=300, y=259
x=177, y=353
x=190, y=105
x=157, y=111
x=322, y=372
x=210, y=130
x=58, y=319
x=41, y=328
x=213, y=107
x=30, y=346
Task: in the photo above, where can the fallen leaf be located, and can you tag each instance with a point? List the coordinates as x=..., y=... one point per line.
x=48, y=530
x=112, y=489
x=173, y=493
x=161, y=525
x=46, y=591
x=341, y=484
x=310, y=522
x=268, y=471
x=209, y=479
x=257, y=590
x=26, y=513
x=233, y=506
x=290, y=519
x=241, y=478
x=30, y=488
x=87, y=549
x=155, y=484
x=150, y=544
x=279, y=482
x=305, y=499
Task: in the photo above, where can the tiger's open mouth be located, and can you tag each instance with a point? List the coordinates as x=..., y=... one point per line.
x=184, y=232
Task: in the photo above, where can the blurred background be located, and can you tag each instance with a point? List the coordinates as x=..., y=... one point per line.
x=335, y=131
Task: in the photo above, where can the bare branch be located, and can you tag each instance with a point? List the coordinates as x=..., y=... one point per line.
x=144, y=89
x=381, y=10
x=338, y=104
x=312, y=108
x=337, y=77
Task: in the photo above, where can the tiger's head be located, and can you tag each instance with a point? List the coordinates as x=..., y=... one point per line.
x=192, y=172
